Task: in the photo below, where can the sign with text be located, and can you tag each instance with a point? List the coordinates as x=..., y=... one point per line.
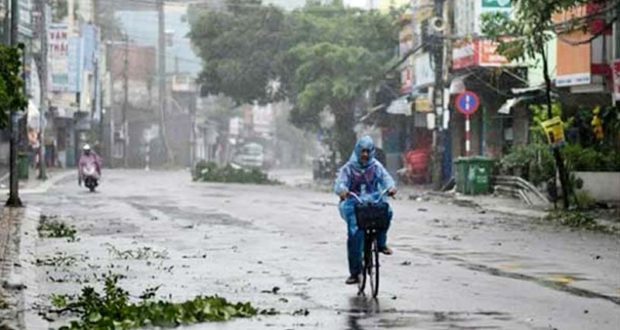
x=58, y=53
x=554, y=130
x=496, y=4
x=424, y=74
x=488, y=56
x=477, y=53
x=574, y=62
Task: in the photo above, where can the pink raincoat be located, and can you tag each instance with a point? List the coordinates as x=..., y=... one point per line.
x=89, y=160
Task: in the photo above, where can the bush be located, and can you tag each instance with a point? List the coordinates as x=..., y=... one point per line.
x=533, y=162
x=583, y=159
x=210, y=172
x=584, y=200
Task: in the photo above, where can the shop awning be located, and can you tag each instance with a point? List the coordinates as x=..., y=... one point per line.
x=400, y=106
x=521, y=95
x=510, y=103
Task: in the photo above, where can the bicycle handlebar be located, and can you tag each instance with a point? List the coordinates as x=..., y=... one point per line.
x=376, y=201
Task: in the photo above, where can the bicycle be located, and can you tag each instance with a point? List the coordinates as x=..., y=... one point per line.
x=372, y=216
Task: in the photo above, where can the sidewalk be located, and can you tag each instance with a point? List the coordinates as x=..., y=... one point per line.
x=496, y=204
x=34, y=185
x=483, y=203
x=18, y=234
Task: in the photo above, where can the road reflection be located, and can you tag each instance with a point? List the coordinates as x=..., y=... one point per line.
x=360, y=308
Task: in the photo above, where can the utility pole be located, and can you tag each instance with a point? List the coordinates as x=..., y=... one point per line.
x=95, y=101
x=125, y=101
x=557, y=155
x=438, y=50
x=42, y=28
x=163, y=100
x=14, y=200
x=7, y=23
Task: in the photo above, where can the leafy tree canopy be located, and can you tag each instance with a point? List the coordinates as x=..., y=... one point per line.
x=12, y=96
x=531, y=26
x=322, y=56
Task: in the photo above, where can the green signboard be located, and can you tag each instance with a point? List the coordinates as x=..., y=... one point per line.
x=488, y=4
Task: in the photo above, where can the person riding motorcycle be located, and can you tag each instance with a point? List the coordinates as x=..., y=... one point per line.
x=363, y=174
x=88, y=158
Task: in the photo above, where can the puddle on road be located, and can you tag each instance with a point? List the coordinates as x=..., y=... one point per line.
x=217, y=195
x=511, y=267
x=324, y=204
x=198, y=216
x=565, y=279
x=106, y=227
x=366, y=313
x=556, y=281
x=559, y=282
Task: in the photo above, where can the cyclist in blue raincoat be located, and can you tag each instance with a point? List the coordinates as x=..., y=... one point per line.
x=362, y=175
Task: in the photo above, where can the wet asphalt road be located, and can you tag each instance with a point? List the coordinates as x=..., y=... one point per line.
x=453, y=268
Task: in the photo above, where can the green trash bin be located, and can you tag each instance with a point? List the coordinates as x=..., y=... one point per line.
x=473, y=175
x=462, y=165
x=22, y=166
x=480, y=170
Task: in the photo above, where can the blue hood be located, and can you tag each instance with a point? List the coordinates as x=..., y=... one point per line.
x=363, y=143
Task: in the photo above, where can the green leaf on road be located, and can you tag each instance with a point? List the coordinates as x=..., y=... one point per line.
x=113, y=309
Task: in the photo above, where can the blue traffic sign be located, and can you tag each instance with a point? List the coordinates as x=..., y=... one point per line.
x=468, y=103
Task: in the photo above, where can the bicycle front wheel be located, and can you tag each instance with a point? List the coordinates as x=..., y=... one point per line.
x=373, y=268
x=366, y=263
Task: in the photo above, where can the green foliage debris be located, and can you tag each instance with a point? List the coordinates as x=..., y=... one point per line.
x=3, y=303
x=113, y=309
x=142, y=253
x=51, y=227
x=578, y=220
x=59, y=260
x=210, y=172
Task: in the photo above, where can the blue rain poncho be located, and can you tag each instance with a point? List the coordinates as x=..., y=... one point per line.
x=365, y=180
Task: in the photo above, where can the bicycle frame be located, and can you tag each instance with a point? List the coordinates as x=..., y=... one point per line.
x=371, y=251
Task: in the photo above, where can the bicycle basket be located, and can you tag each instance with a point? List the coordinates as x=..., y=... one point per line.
x=372, y=215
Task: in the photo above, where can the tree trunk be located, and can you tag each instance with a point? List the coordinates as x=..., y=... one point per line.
x=559, y=161
x=343, y=130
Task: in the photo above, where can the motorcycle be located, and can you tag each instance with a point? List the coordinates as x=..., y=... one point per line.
x=91, y=177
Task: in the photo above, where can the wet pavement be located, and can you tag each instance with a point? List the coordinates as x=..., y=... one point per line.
x=453, y=267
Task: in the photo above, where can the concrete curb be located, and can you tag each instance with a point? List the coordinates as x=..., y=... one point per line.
x=4, y=177
x=525, y=212
x=21, y=273
x=28, y=255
